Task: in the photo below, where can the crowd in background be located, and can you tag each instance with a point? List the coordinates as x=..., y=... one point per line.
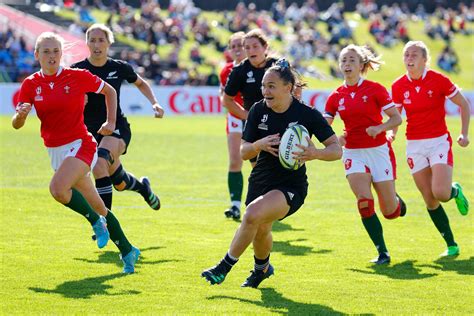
x=303, y=41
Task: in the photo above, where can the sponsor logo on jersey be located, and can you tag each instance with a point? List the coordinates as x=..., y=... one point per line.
x=117, y=132
x=263, y=126
x=353, y=94
x=112, y=75
x=51, y=85
x=417, y=89
x=250, y=78
x=291, y=195
x=341, y=108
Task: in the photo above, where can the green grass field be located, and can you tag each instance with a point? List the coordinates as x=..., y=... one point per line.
x=320, y=255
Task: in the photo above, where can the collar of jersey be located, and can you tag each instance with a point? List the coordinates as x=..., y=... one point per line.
x=422, y=76
x=57, y=73
x=358, y=83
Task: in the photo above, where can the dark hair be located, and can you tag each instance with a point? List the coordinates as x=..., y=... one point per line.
x=287, y=73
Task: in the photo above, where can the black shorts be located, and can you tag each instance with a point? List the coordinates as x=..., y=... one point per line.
x=122, y=131
x=295, y=195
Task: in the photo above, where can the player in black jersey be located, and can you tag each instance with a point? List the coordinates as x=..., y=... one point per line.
x=109, y=169
x=246, y=78
x=274, y=192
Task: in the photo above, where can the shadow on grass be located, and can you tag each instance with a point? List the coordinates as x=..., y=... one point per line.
x=401, y=271
x=286, y=248
x=277, y=303
x=282, y=227
x=86, y=288
x=112, y=257
x=464, y=267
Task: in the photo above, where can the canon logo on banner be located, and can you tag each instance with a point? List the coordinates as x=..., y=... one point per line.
x=181, y=102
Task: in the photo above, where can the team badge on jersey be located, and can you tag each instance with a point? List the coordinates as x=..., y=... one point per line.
x=250, y=78
x=112, y=75
x=406, y=95
x=38, y=96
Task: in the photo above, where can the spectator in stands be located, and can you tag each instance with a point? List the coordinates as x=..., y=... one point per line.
x=448, y=60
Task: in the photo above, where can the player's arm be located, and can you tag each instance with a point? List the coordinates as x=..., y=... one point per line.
x=460, y=100
x=233, y=107
x=19, y=118
x=394, y=120
x=331, y=151
x=330, y=119
x=269, y=143
x=146, y=90
x=111, y=104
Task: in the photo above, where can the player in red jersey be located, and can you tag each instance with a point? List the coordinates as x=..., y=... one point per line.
x=234, y=126
x=422, y=93
x=58, y=96
x=368, y=157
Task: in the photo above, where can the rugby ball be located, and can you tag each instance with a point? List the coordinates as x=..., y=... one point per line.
x=294, y=135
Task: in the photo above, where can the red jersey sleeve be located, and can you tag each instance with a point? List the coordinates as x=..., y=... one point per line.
x=382, y=98
x=330, y=109
x=446, y=86
x=396, y=96
x=26, y=92
x=90, y=82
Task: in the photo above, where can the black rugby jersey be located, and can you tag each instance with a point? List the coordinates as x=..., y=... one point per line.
x=247, y=80
x=114, y=72
x=263, y=121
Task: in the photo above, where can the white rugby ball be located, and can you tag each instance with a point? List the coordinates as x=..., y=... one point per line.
x=293, y=135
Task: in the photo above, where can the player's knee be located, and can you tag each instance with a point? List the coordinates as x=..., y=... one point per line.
x=105, y=155
x=251, y=216
x=58, y=193
x=101, y=169
x=366, y=207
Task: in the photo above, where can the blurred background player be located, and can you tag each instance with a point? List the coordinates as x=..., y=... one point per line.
x=367, y=155
x=234, y=126
x=422, y=92
x=246, y=79
x=274, y=192
x=109, y=169
x=71, y=148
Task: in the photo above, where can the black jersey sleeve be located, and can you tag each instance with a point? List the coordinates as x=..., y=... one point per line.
x=318, y=126
x=128, y=73
x=250, y=127
x=234, y=82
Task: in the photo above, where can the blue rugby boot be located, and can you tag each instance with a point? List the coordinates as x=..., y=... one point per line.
x=101, y=233
x=130, y=259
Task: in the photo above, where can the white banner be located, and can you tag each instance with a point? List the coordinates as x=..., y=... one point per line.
x=184, y=100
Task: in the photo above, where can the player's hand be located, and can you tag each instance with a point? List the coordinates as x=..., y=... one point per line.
x=159, y=111
x=463, y=140
x=390, y=136
x=107, y=128
x=22, y=110
x=309, y=152
x=373, y=131
x=86, y=99
x=342, y=139
x=269, y=144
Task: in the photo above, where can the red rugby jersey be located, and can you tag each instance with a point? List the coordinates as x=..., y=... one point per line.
x=59, y=102
x=424, y=103
x=225, y=72
x=360, y=106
